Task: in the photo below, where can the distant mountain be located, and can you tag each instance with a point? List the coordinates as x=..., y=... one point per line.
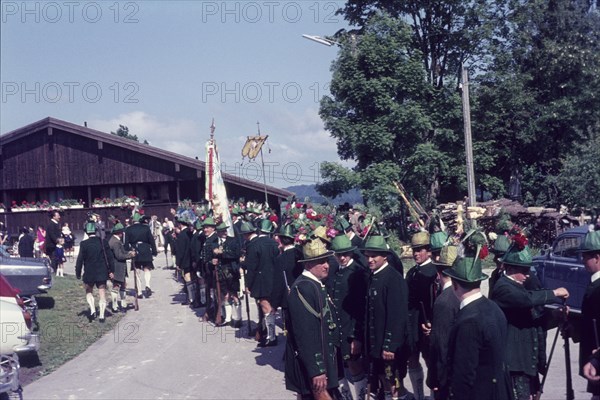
x=302, y=191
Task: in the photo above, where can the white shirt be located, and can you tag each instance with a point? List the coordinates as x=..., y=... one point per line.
x=349, y=264
x=310, y=275
x=470, y=299
x=447, y=285
x=595, y=276
x=380, y=268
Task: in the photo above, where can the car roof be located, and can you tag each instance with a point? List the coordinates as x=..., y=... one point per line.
x=578, y=230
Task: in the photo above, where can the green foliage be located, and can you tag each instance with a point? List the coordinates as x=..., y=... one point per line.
x=123, y=132
x=338, y=180
x=579, y=178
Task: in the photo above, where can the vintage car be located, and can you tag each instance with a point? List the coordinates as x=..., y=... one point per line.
x=561, y=265
x=16, y=329
x=9, y=376
x=12, y=294
x=30, y=275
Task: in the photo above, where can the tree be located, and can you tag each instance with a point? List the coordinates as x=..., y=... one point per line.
x=123, y=132
x=539, y=96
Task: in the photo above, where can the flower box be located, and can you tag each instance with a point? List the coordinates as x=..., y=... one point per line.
x=17, y=209
x=2, y=210
x=76, y=206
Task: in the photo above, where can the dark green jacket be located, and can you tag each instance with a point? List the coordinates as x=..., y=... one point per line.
x=139, y=237
x=348, y=292
x=260, y=264
x=421, y=281
x=387, y=311
x=310, y=348
x=523, y=341
x=183, y=256
x=91, y=259
x=590, y=310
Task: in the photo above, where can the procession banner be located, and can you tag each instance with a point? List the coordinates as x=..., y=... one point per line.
x=215, y=192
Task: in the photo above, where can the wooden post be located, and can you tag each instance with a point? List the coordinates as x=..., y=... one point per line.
x=468, y=140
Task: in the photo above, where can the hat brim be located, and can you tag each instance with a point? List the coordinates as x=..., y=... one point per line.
x=420, y=246
x=346, y=250
x=327, y=254
x=452, y=274
x=441, y=265
x=375, y=250
x=284, y=235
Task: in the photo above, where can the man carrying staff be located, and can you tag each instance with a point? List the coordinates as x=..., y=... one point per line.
x=138, y=237
x=226, y=261
x=119, y=277
x=311, y=366
x=206, y=266
x=97, y=267
x=386, y=319
x=523, y=357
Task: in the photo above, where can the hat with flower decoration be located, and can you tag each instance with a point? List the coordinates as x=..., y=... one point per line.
x=518, y=254
x=438, y=240
x=286, y=231
x=247, y=227
x=591, y=242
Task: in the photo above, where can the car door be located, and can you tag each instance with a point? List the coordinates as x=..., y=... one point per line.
x=566, y=271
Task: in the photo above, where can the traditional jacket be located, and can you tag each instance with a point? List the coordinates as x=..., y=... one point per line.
x=444, y=311
x=196, y=245
x=523, y=340
x=310, y=348
x=210, y=244
x=421, y=281
x=53, y=232
x=259, y=263
x=229, y=267
x=183, y=256
x=590, y=310
x=92, y=260
x=120, y=257
x=387, y=311
x=348, y=293
x=139, y=237
x=476, y=353
x=287, y=264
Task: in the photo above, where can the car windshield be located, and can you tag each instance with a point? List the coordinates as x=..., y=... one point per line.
x=567, y=246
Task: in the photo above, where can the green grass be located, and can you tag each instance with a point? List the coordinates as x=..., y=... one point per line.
x=65, y=330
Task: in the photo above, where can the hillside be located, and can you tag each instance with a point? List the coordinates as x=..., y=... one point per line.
x=302, y=191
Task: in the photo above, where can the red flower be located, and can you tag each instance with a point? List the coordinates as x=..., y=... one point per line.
x=520, y=241
x=483, y=253
x=296, y=216
x=273, y=218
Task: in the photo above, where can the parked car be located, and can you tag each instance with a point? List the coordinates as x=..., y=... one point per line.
x=16, y=334
x=9, y=293
x=9, y=376
x=561, y=265
x=30, y=275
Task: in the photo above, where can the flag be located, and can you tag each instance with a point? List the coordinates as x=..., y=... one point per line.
x=253, y=146
x=215, y=192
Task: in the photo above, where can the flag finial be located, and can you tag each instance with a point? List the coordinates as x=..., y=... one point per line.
x=258, y=127
x=212, y=129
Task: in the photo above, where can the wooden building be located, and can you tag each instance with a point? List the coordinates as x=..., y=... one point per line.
x=53, y=159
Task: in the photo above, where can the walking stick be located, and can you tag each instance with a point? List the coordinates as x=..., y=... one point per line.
x=538, y=395
x=565, y=333
x=247, y=306
x=135, y=285
x=218, y=314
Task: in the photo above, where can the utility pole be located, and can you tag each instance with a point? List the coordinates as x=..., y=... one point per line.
x=468, y=140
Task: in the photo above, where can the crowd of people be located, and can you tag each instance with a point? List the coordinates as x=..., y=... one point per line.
x=356, y=324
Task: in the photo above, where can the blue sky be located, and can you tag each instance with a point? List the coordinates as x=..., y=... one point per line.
x=166, y=68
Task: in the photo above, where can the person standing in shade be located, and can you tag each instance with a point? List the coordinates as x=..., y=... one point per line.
x=119, y=278
x=97, y=265
x=139, y=238
x=386, y=320
x=25, y=243
x=348, y=291
x=523, y=357
x=445, y=309
x=311, y=365
x=477, y=345
x=183, y=261
x=590, y=308
x=53, y=232
x=422, y=288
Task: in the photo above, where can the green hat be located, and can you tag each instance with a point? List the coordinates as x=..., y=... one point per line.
x=315, y=250
x=266, y=226
x=501, y=245
x=376, y=243
x=448, y=255
x=118, y=228
x=286, y=231
x=222, y=226
x=341, y=244
x=420, y=239
x=136, y=217
x=247, y=227
x=466, y=269
x=90, y=227
x=438, y=240
x=321, y=233
x=518, y=258
x=198, y=224
x=209, y=221
x=591, y=242
x=342, y=225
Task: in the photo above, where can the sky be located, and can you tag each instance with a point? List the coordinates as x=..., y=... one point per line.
x=165, y=69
